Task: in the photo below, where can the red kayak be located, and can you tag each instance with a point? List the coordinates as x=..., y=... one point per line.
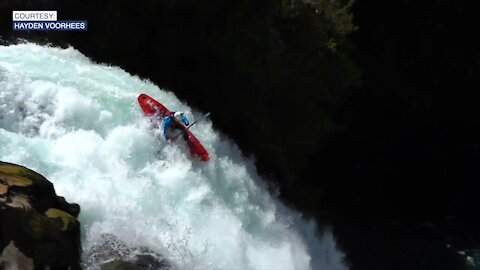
x=153, y=108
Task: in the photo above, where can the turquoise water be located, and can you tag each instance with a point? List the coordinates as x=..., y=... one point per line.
x=78, y=123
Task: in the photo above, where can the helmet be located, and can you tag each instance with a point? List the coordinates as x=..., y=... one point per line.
x=178, y=115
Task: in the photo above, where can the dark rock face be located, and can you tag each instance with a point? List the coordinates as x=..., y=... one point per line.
x=38, y=229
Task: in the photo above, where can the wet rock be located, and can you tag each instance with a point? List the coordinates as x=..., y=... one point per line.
x=113, y=254
x=147, y=261
x=120, y=265
x=13, y=258
x=38, y=229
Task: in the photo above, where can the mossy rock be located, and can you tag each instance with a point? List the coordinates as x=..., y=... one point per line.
x=41, y=225
x=12, y=175
x=67, y=220
x=17, y=175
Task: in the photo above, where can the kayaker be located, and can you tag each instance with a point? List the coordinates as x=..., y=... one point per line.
x=173, y=123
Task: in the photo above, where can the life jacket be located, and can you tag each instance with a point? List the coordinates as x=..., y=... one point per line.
x=170, y=122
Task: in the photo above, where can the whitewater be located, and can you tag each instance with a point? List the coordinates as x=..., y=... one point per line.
x=78, y=123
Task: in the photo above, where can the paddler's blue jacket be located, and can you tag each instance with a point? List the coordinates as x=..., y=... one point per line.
x=168, y=122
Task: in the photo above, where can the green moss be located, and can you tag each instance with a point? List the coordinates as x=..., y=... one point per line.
x=15, y=180
x=12, y=169
x=17, y=175
x=52, y=224
x=66, y=218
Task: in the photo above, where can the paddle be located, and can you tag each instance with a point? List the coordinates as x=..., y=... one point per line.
x=204, y=117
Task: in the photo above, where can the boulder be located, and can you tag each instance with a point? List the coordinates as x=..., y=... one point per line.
x=113, y=254
x=38, y=229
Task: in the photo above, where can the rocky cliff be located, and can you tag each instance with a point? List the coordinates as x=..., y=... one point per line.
x=38, y=229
